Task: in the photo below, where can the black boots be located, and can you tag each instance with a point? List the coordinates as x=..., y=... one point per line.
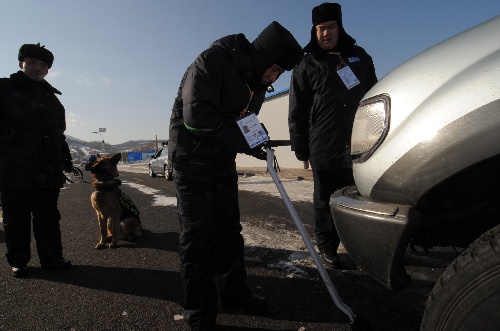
x=331, y=259
x=20, y=271
x=56, y=264
x=249, y=303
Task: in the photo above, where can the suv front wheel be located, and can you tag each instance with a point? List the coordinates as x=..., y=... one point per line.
x=151, y=172
x=467, y=295
x=168, y=173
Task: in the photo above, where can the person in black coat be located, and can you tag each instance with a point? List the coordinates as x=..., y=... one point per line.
x=325, y=90
x=225, y=83
x=34, y=154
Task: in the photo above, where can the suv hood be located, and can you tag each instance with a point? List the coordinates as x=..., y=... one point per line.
x=430, y=95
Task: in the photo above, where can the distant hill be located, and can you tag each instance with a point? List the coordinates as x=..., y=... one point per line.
x=81, y=150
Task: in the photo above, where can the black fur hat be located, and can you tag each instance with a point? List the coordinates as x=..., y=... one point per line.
x=275, y=45
x=328, y=12
x=37, y=52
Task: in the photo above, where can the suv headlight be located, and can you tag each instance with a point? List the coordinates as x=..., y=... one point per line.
x=370, y=127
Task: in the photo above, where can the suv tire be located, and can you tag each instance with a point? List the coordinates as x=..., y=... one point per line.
x=151, y=172
x=168, y=173
x=467, y=295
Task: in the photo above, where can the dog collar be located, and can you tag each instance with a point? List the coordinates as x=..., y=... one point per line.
x=107, y=186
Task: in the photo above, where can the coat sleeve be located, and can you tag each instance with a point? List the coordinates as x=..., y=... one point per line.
x=6, y=128
x=65, y=151
x=299, y=109
x=201, y=95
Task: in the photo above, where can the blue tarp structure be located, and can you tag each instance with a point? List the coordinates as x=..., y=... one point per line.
x=140, y=156
x=134, y=156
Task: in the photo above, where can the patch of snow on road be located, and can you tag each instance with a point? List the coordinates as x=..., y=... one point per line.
x=296, y=190
x=159, y=199
x=298, y=256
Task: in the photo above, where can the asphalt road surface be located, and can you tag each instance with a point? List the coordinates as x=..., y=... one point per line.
x=137, y=286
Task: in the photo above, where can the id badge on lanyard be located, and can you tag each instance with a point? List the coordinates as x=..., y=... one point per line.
x=345, y=73
x=348, y=77
x=252, y=130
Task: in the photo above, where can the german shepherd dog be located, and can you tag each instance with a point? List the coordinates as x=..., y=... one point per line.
x=117, y=215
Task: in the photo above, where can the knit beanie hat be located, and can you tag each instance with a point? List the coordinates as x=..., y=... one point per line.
x=37, y=52
x=323, y=13
x=274, y=45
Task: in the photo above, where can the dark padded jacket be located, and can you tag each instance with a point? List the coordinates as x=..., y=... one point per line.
x=203, y=136
x=32, y=141
x=322, y=109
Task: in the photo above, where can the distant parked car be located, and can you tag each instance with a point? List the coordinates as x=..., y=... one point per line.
x=160, y=164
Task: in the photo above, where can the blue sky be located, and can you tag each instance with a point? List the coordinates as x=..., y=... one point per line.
x=118, y=63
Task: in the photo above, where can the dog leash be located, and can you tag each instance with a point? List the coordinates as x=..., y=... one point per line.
x=81, y=180
x=78, y=174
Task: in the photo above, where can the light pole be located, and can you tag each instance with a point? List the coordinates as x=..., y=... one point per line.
x=101, y=131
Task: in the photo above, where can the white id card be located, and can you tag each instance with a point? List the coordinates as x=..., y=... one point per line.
x=252, y=130
x=350, y=80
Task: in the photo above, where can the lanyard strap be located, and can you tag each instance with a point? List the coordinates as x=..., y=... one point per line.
x=243, y=112
x=342, y=63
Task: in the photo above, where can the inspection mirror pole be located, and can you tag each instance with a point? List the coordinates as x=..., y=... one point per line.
x=298, y=223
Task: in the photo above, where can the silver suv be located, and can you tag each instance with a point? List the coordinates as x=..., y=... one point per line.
x=160, y=164
x=426, y=162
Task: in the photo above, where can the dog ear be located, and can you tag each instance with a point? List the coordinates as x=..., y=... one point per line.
x=98, y=156
x=116, y=158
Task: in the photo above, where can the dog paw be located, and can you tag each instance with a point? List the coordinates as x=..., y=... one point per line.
x=113, y=245
x=100, y=246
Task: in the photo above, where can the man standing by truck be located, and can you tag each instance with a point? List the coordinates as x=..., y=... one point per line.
x=325, y=90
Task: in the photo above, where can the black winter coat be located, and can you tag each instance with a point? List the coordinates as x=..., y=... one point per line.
x=322, y=109
x=32, y=141
x=203, y=136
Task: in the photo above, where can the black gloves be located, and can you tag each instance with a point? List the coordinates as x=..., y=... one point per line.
x=302, y=154
x=67, y=166
x=259, y=152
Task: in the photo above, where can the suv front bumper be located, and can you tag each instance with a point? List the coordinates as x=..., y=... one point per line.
x=375, y=234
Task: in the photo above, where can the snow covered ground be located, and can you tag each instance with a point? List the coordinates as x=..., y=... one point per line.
x=296, y=190
x=256, y=236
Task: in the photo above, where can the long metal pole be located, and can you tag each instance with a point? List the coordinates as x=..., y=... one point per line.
x=298, y=223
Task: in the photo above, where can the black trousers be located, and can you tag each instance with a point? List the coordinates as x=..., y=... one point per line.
x=211, y=245
x=20, y=209
x=325, y=183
